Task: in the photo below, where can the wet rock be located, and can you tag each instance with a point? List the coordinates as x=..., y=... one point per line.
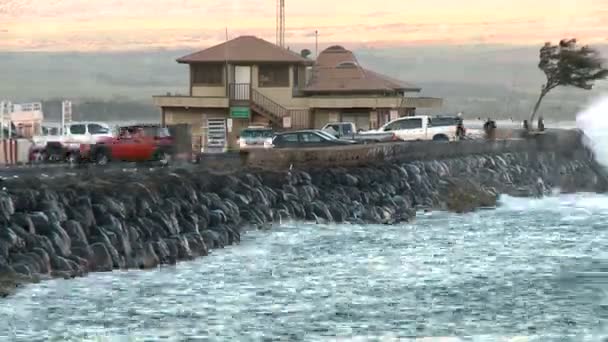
x=143, y=220
x=465, y=196
x=197, y=244
x=75, y=232
x=23, y=220
x=7, y=208
x=101, y=260
x=148, y=258
x=212, y=239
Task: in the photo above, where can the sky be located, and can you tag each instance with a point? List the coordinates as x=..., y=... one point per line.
x=111, y=25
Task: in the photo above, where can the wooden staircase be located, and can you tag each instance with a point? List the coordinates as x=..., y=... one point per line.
x=245, y=95
x=269, y=109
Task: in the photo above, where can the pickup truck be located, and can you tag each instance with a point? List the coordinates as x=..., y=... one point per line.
x=348, y=130
x=421, y=127
x=133, y=144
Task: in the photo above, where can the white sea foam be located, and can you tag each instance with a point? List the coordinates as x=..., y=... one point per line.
x=593, y=121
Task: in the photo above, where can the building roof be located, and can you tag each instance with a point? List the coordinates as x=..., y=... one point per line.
x=245, y=49
x=337, y=70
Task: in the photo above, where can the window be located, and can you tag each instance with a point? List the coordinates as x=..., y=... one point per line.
x=273, y=76
x=347, y=65
x=256, y=133
x=411, y=124
x=327, y=135
x=310, y=138
x=393, y=126
x=208, y=74
x=78, y=129
x=98, y=129
x=290, y=137
x=444, y=121
x=404, y=124
x=347, y=129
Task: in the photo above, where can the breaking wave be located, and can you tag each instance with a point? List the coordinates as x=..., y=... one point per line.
x=593, y=121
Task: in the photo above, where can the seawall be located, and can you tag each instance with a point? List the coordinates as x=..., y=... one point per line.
x=70, y=225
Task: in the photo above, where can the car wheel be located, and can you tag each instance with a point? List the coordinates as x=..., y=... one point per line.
x=440, y=137
x=72, y=159
x=102, y=158
x=39, y=157
x=163, y=157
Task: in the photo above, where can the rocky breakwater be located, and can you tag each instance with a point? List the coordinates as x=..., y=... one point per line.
x=70, y=225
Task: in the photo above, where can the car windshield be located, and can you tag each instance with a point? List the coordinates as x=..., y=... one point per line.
x=444, y=121
x=327, y=135
x=256, y=133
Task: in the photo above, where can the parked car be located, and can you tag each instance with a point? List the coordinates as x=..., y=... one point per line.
x=52, y=145
x=255, y=137
x=421, y=128
x=308, y=138
x=348, y=130
x=133, y=144
x=75, y=132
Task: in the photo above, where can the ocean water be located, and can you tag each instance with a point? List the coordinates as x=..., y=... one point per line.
x=531, y=270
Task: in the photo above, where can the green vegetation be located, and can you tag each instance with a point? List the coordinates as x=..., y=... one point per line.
x=566, y=64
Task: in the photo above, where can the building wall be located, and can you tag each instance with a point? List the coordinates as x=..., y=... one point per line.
x=208, y=91
x=280, y=95
x=322, y=116
x=364, y=118
x=196, y=118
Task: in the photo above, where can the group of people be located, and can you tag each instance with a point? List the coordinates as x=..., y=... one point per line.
x=541, y=124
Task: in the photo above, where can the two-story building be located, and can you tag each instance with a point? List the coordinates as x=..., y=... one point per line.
x=249, y=81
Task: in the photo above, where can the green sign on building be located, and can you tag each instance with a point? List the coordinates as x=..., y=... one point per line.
x=240, y=112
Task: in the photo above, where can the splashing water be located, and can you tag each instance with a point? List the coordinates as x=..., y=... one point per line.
x=593, y=121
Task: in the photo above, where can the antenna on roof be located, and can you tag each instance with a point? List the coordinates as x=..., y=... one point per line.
x=226, y=59
x=316, y=44
x=280, y=29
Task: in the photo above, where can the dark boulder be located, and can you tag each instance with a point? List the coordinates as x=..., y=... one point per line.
x=101, y=260
x=145, y=257
x=7, y=208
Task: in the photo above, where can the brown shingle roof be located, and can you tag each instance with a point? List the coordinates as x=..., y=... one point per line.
x=245, y=49
x=337, y=70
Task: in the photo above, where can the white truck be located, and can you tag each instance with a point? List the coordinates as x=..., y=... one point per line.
x=348, y=130
x=422, y=127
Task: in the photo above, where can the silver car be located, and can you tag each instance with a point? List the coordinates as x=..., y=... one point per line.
x=255, y=137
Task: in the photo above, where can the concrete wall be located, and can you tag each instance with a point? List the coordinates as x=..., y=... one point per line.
x=565, y=142
x=301, y=119
x=198, y=90
x=195, y=117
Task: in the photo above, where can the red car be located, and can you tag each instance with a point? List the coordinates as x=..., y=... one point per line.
x=133, y=144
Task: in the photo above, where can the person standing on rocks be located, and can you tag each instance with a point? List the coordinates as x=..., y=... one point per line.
x=541, y=124
x=489, y=128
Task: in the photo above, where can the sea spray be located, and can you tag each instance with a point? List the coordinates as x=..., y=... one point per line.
x=593, y=121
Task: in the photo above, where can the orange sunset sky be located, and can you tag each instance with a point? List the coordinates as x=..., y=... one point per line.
x=102, y=25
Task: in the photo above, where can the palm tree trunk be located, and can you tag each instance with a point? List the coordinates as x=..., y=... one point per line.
x=537, y=106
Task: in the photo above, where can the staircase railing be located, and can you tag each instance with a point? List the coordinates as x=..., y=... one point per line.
x=239, y=91
x=268, y=105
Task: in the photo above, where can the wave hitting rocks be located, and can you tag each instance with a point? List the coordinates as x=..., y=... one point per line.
x=69, y=226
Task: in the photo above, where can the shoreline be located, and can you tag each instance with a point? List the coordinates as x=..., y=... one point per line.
x=70, y=226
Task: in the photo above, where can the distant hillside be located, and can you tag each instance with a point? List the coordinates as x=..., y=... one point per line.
x=495, y=81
